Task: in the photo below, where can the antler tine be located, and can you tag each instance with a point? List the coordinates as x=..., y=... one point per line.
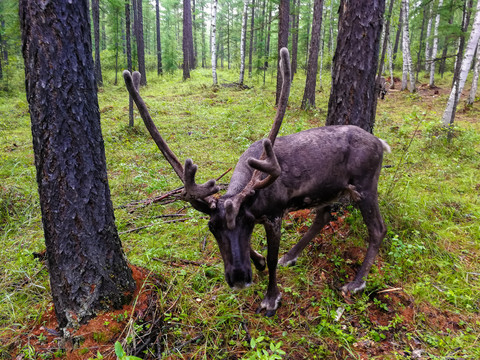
x=132, y=88
x=268, y=162
x=269, y=166
x=192, y=190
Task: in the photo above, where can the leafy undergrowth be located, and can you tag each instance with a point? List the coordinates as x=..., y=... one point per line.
x=421, y=299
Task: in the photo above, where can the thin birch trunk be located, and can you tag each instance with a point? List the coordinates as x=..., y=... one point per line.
x=476, y=71
x=250, y=52
x=427, y=40
x=214, y=41
x=407, y=58
x=449, y=114
x=242, y=42
x=435, y=46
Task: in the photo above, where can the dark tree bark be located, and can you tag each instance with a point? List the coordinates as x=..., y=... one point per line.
x=188, y=58
x=159, y=43
x=352, y=98
x=283, y=15
x=311, y=81
x=138, y=29
x=88, y=269
x=96, y=32
x=128, y=37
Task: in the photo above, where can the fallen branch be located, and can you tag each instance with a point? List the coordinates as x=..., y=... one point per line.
x=151, y=225
x=175, y=262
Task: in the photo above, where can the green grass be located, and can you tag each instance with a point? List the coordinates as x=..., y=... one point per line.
x=422, y=294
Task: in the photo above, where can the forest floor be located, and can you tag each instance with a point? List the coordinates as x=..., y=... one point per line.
x=421, y=300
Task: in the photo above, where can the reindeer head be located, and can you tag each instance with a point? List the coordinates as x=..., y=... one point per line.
x=231, y=222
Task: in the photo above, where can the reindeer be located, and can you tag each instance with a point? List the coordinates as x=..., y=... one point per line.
x=309, y=169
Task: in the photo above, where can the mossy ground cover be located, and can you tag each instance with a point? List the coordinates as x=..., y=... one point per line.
x=421, y=299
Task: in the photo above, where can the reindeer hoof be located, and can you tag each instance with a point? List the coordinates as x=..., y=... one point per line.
x=354, y=287
x=284, y=261
x=270, y=305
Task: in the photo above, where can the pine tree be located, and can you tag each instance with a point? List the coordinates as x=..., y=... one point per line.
x=87, y=267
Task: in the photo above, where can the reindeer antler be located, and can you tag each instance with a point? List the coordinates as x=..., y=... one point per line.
x=267, y=163
x=192, y=192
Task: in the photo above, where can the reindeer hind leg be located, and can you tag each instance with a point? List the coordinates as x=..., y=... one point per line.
x=368, y=204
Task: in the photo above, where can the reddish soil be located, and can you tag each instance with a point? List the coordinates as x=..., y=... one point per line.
x=100, y=333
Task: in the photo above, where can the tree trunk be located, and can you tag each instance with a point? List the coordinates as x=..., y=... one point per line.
x=428, y=50
x=188, y=57
x=320, y=72
x=284, y=14
x=116, y=43
x=461, y=45
x=204, y=45
x=352, y=98
x=311, y=80
x=449, y=114
x=87, y=267
x=441, y=67
x=407, y=58
x=330, y=30
x=96, y=32
x=159, y=42
x=214, y=40
x=129, y=58
x=397, y=36
x=390, y=64
x=194, y=31
x=138, y=16
x=386, y=39
x=267, y=45
x=419, y=52
x=476, y=71
x=435, y=46
x=242, y=42
x=295, y=28
x=228, y=36
x=250, y=52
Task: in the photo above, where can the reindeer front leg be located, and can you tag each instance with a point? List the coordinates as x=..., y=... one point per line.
x=272, y=298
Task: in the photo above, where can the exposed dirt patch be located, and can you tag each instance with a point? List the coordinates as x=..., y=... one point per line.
x=100, y=333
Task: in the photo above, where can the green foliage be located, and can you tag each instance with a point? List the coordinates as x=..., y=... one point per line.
x=121, y=355
x=428, y=197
